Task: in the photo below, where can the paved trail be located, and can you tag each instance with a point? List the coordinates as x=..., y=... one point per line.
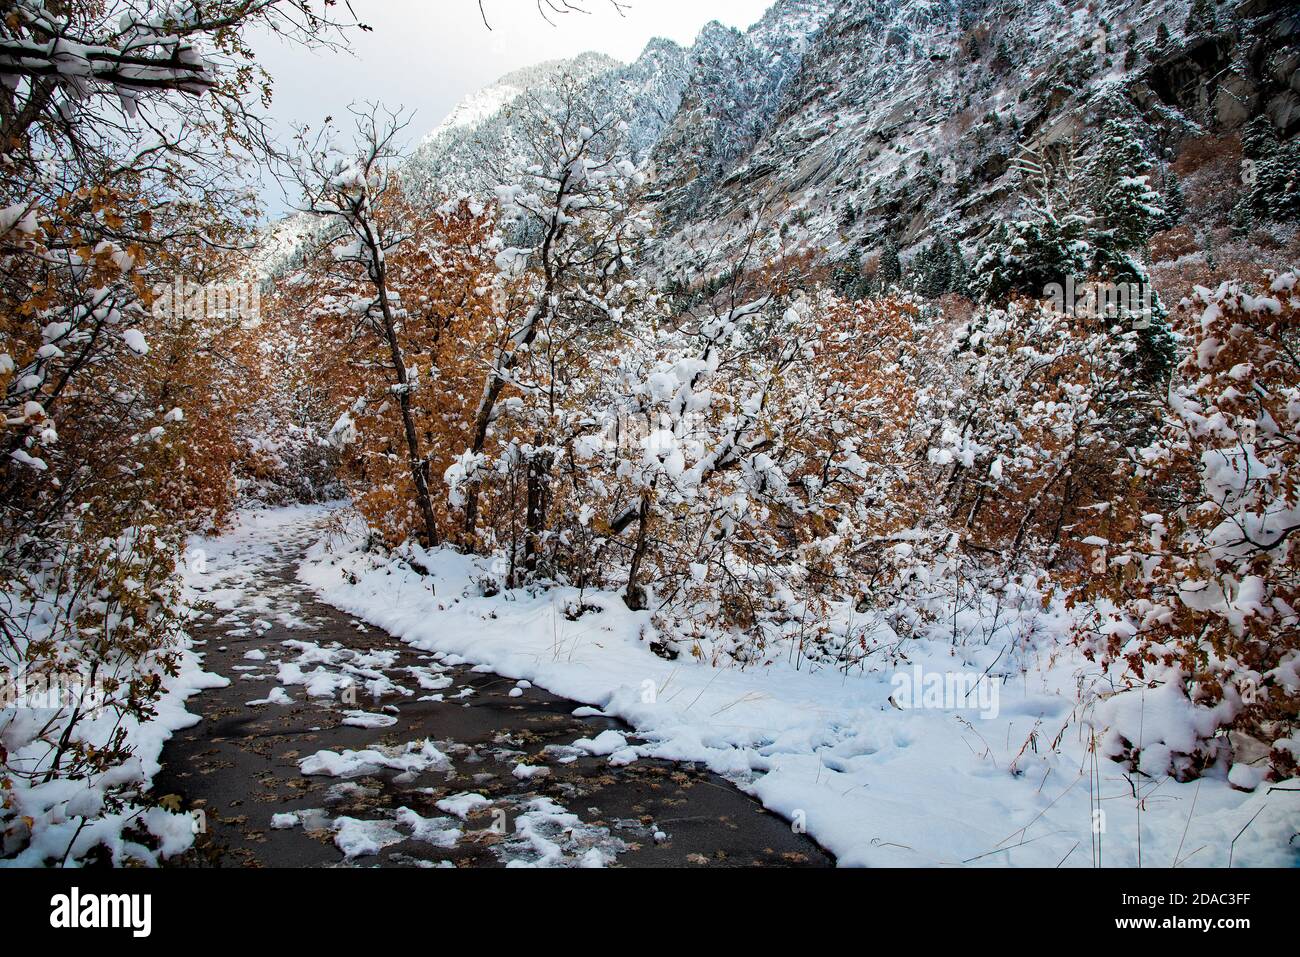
x=336, y=744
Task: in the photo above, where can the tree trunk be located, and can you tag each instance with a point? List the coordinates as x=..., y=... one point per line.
x=483, y=419
x=635, y=597
x=539, y=469
x=419, y=468
x=524, y=337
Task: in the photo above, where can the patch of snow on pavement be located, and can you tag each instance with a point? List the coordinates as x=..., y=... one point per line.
x=409, y=760
x=462, y=805
x=547, y=835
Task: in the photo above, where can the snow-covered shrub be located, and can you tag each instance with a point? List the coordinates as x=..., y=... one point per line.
x=1025, y=425
x=92, y=630
x=745, y=456
x=576, y=225
x=118, y=412
x=1196, y=579
x=105, y=474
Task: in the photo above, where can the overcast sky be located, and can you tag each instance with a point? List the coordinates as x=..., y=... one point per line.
x=426, y=55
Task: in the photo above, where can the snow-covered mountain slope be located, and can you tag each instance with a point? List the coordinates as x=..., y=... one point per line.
x=738, y=83
x=471, y=149
x=847, y=122
x=690, y=113
x=476, y=145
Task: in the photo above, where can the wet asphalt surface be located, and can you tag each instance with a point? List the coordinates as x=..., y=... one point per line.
x=240, y=765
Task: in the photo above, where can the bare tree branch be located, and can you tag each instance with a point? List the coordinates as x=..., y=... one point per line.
x=548, y=8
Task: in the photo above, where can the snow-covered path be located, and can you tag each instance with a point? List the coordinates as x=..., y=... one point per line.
x=334, y=743
x=1008, y=781
x=454, y=736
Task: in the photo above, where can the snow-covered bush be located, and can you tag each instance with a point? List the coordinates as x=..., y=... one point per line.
x=1197, y=576
x=1025, y=424
x=104, y=475
x=573, y=225
x=740, y=461
x=92, y=632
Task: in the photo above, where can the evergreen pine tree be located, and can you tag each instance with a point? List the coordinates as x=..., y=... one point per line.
x=1273, y=177
x=1027, y=255
x=1258, y=139
x=890, y=270
x=939, y=268
x=862, y=289
x=1128, y=209
x=1002, y=56
x=847, y=276
x=1056, y=247
x=1175, y=204
x=959, y=281
x=936, y=270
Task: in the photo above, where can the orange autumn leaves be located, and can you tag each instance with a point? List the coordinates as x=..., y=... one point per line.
x=94, y=374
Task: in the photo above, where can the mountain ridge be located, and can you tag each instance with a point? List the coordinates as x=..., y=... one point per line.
x=850, y=123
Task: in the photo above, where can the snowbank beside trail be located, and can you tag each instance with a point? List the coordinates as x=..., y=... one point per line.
x=63, y=821
x=1011, y=784
x=70, y=818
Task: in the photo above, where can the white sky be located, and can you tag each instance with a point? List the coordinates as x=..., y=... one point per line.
x=426, y=55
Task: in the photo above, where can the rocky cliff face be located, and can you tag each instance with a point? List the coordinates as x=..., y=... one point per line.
x=908, y=118
x=739, y=83
x=1223, y=78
